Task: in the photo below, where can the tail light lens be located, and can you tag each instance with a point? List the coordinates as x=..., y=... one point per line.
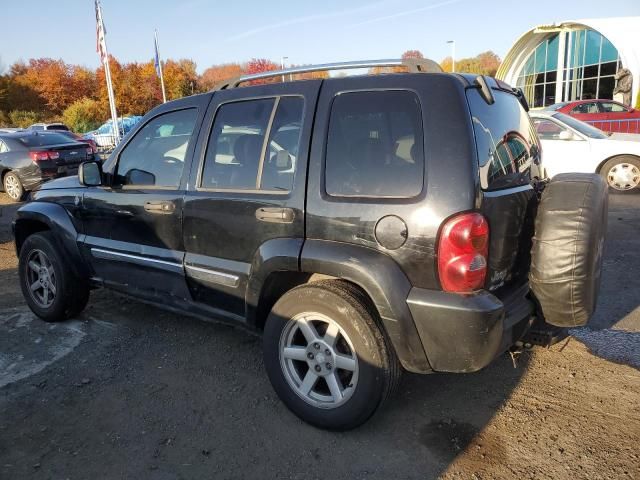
x=44, y=156
x=462, y=253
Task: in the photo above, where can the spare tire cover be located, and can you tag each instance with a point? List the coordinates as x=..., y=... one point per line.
x=566, y=256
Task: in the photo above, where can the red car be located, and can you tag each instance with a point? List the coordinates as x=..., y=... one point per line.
x=606, y=115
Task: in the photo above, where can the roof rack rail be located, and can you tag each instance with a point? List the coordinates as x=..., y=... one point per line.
x=414, y=65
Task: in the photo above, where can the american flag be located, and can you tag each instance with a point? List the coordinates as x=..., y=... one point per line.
x=101, y=31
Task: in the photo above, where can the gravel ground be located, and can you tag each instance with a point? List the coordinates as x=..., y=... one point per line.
x=129, y=391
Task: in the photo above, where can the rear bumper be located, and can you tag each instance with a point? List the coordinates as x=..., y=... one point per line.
x=465, y=333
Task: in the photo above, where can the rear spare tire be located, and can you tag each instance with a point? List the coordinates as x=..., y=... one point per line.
x=566, y=256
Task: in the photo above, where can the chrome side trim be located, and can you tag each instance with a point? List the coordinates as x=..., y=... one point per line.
x=137, y=260
x=213, y=276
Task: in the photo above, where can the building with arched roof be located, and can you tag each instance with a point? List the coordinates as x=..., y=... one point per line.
x=575, y=60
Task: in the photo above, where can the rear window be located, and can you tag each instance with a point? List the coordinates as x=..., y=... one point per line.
x=43, y=140
x=57, y=127
x=375, y=145
x=504, y=136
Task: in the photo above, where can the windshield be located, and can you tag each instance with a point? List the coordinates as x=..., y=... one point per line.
x=43, y=140
x=583, y=128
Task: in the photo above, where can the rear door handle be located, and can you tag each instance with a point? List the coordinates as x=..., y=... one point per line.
x=275, y=215
x=162, y=207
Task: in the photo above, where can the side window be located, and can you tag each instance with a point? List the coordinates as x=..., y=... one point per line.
x=155, y=156
x=284, y=141
x=589, y=107
x=375, y=145
x=610, y=107
x=235, y=145
x=548, y=130
x=504, y=138
x=235, y=157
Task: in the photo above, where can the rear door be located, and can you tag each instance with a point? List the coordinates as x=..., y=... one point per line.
x=246, y=198
x=508, y=154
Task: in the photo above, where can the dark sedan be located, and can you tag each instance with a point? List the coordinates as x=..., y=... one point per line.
x=28, y=159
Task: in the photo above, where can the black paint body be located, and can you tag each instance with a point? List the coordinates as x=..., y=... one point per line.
x=212, y=255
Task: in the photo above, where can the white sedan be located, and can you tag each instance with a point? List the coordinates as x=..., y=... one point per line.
x=569, y=145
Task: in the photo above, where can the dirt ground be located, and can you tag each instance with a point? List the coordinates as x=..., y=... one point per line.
x=129, y=391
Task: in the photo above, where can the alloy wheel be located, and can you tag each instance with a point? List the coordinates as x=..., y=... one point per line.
x=12, y=187
x=41, y=279
x=623, y=176
x=318, y=360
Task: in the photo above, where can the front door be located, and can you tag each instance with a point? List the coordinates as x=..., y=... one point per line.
x=133, y=226
x=246, y=200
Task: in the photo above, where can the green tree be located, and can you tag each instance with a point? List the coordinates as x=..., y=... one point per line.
x=23, y=118
x=84, y=115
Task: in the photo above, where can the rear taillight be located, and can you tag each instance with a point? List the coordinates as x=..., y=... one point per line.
x=44, y=156
x=462, y=253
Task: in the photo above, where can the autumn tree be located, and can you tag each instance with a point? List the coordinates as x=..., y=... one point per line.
x=260, y=65
x=486, y=63
x=412, y=54
x=217, y=74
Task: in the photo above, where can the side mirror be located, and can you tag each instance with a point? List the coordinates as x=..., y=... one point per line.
x=566, y=135
x=90, y=174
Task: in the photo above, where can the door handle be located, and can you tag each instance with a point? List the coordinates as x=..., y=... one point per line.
x=275, y=215
x=162, y=207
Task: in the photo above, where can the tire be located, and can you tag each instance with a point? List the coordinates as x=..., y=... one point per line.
x=622, y=173
x=13, y=186
x=567, y=248
x=368, y=370
x=69, y=294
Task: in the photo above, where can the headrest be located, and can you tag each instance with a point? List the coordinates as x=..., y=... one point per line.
x=247, y=149
x=283, y=160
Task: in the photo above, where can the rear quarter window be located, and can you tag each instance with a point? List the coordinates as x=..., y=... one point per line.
x=375, y=145
x=504, y=137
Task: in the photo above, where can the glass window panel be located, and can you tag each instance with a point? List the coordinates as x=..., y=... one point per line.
x=551, y=76
x=539, y=78
x=235, y=144
x=528, y=67
x=589, y=89
x=374, y=145
x=540, y=57
x=590, y=72
x=550, y=94
x=578, y=48
x=552, y=53
x=609, y=52
x=538, y=98
x=609, y=68
x=592, y=47
x=605, y=90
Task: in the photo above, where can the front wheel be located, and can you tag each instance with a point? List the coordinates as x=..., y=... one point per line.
x=326, y=357
x=49, y=286
x=622, y=173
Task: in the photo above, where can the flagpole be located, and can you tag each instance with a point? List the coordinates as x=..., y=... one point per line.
x=164, y=93
x=107, y=75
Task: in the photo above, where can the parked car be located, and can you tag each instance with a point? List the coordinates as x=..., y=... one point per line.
x=606, y=115
x=401, y=238
x=79, y=138
x=104, y=136
x=27, y=159
x=570, y=145
x=57, y=126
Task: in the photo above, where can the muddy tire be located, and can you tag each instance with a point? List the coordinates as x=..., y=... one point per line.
x=49, y=287
x=326, y=356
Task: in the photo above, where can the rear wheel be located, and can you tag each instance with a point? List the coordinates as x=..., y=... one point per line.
x=49, y=286
x=13, y=186
x=622, y=173
x=326, y=357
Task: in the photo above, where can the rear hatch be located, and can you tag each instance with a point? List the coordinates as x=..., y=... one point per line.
x=508, y=154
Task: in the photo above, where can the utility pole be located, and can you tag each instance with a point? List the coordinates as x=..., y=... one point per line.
x=453, y=55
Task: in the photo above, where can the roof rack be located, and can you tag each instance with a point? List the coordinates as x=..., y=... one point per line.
x=414, y=65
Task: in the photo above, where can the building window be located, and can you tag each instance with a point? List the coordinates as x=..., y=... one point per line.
x=590, y=64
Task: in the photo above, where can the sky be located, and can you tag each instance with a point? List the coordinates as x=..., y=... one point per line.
x=212, y=31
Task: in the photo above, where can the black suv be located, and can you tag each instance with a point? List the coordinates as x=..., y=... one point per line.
x=365, y=225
